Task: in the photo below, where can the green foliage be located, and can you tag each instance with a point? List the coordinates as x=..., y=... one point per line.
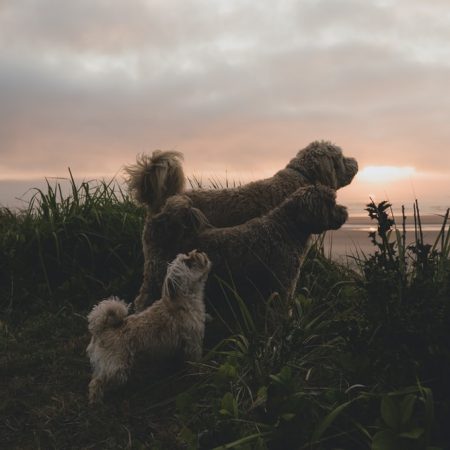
x=406, y=420
x=77, y=247
x=359, y=359
x=280, y=384
x=407, y=304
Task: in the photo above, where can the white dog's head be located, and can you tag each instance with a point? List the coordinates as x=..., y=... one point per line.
x=324, y=163
x=186, y=275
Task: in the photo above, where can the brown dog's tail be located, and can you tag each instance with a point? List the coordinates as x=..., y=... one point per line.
x=108, y=313
x=155, y=178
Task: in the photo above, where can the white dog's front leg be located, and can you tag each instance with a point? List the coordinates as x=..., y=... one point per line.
x=96, y=390
x=99, y=384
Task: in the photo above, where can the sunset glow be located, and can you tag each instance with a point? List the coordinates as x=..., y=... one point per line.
x=237, y=87
x=384, y=174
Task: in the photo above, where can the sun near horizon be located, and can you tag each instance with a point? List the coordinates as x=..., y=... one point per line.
x=383, y=174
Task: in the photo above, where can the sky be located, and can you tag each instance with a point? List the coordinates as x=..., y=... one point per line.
x=238, y=86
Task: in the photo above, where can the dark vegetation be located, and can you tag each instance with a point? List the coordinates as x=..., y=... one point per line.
x=360, y=359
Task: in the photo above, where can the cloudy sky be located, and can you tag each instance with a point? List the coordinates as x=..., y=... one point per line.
x=237, y=85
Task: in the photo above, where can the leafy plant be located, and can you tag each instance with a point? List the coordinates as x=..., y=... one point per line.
x=406, y=419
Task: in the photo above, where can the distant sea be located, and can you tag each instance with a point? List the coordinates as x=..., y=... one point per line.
x=353, y=237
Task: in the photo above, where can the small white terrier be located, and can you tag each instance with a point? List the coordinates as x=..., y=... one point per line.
x=176, y=323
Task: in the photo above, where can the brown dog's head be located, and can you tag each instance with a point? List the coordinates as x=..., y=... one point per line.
x=177, y=222
x=323, y=163
x=313, y=209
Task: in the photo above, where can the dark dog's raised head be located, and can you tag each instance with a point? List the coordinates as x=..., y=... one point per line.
x=177, y=222
x=324, y=163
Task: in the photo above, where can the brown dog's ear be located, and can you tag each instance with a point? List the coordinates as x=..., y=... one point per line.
x=198, y=220
x=327, y=171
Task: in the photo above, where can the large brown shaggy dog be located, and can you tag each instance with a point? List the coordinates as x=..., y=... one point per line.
x=174, y=324
x=155, y=178
x=259, y=257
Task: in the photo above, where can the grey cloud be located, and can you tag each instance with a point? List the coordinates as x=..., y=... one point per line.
x=81, y=25
x=113, y=26
x=95, y=84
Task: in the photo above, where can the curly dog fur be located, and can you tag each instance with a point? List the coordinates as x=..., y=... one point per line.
x=176, y=323
x=259, y=257
x=155, y=178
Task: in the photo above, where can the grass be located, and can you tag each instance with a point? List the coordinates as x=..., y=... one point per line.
x=358, y=360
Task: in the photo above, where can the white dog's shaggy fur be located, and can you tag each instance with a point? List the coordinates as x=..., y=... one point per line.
x=176, y=323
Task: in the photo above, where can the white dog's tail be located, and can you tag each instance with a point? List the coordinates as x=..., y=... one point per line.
x=155, y=178
x=107, y=314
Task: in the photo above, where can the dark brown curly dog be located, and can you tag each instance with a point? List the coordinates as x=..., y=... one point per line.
x=257, y=258
x=155, y=178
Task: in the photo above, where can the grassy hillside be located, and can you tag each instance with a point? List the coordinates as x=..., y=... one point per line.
x=360, y=359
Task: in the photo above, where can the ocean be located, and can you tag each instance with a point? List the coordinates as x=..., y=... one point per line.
x=353, y=237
